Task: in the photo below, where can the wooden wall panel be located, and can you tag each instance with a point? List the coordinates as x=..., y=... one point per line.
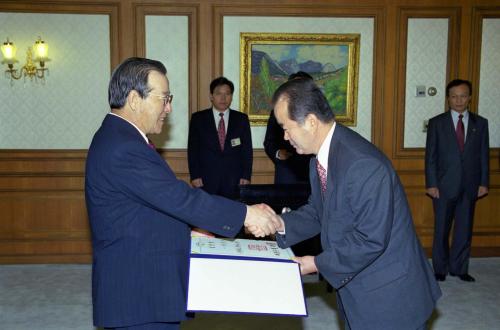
x=42, y=208
x=42, y=224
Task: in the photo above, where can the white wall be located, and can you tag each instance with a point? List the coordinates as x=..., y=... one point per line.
x=233, y=25
x=65, y=112
x=426, y=66
x=172, y=49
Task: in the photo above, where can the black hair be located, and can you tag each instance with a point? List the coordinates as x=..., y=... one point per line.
x=131, y=74
x=304, y=97
x=458, y=82
x=300, y=75
x=219, y=82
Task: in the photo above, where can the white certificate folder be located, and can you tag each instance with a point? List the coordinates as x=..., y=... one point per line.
x=235, y=280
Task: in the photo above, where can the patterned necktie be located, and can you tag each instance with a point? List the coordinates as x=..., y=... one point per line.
x=322, y=176
x=460, y=133
x=221, y=131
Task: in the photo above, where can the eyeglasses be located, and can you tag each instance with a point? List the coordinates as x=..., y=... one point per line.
x=166, y=99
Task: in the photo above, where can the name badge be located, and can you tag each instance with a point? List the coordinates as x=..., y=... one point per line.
x=235, y=142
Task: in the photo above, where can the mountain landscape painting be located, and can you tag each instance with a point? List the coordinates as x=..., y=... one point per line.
x=267, y=65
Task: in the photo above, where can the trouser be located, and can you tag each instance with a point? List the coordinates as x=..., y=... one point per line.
x=458, y=211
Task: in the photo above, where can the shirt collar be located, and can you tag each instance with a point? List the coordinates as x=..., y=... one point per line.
x=324, y=150
x=455, y=114
x=216, y=112
x=137, y=128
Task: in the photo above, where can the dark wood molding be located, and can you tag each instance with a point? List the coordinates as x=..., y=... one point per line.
x=478, y=14
x=453, y=14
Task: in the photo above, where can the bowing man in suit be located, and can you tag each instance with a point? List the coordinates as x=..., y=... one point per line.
x=456, y=175
x=371, y=253
x=140, y=213
x=289, y=167
x=220, y=150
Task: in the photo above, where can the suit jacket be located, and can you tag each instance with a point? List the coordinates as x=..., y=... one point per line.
x=371, y=253
x=139, y=216
x=446, y=167
x=221, y=171
x=292, y=170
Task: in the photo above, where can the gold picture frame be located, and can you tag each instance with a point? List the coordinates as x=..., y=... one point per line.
x=266, y=60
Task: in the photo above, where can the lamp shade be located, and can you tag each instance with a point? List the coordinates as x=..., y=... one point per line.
x=41, y=50
x=8, y=51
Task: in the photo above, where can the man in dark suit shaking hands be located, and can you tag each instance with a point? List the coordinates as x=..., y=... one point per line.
x=456, y=175
x=140, y=213
x=371, y=253
x=220, y=150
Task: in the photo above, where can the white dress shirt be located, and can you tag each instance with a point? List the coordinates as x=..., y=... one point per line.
x=217, y=118
x=465, y=119
x=324, y=150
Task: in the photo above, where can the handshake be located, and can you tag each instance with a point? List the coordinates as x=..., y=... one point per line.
x=261, y=220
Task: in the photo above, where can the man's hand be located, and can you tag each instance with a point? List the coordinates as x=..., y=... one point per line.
x=261, y=220
x=244, y=181
x=482, y=191
x=433, y=192
x=197, y=183
x=307, y=264
x=284, y=154
x=281, y=224
x=198, y=232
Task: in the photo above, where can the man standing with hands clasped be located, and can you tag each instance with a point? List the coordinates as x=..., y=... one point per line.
x=371, y=253
x=456, y=175
x=140, y=213
x=220, y=153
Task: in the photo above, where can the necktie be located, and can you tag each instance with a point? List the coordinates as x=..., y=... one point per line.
x=460, y=133
x=221, y=131
x=151, y=144
x=322, y=176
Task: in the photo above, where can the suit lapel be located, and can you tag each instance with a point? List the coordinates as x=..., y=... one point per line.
x=471, y=130
x=212, y=129
x=313, y=175
x=230, y=129
x=331, y=183
x=450, y=128
x=316, y=195
x=115, y=121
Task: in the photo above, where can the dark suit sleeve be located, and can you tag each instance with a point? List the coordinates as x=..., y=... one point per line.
x=431, y=155
x=304, y=222
x=145, y=177
x=300, y=225
x=194, y=146
x=247, y=149
x=273, y=137
x=369, y=213
x=485, y=155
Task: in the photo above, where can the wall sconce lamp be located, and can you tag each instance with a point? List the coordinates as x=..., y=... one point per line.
x=37, y=53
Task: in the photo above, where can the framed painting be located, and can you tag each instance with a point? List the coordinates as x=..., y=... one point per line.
x=267, y=59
